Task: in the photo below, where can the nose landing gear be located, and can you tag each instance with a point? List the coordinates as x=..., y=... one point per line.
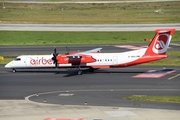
x=13, y=70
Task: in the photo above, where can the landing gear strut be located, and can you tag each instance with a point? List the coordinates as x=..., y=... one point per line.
x=79, y=71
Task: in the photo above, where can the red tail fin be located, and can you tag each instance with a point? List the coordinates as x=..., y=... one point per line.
x=160, y=42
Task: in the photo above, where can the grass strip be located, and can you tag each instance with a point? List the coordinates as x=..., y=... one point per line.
x=164, y=62
x=92, y=13
x=172, y=99
x=6, y=60
x=173, y=59
x=24, y=38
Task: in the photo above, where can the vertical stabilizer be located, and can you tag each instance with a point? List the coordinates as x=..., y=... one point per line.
x=160, y=42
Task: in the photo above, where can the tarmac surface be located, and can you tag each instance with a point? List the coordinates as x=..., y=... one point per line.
x=87, y=27
x=27, y=110
x=41, y=50
x=58, y=93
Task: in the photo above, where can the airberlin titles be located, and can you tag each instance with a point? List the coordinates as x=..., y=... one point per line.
x=75, y=60
x=41, y=61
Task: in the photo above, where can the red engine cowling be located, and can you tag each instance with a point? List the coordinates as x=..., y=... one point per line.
x=63, y=59
x=75, y=60
x=87, y=59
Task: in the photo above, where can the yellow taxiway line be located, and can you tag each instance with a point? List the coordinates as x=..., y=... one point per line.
x=173, y=76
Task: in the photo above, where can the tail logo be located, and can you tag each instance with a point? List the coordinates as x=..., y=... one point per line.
x=161, y=44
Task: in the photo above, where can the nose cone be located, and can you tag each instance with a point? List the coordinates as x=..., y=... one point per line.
x=8, y=65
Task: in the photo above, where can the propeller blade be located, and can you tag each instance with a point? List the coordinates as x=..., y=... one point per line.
x=67, y=51
x=55, y=51
x=55, y=54
x=56, y=64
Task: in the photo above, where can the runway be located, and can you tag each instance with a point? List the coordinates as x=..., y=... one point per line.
x=87, y=27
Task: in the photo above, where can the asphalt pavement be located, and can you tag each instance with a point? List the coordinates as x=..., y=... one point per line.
x=87, y=27
x=59, y=93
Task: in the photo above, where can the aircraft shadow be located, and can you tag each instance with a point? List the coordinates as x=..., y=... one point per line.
x=84, y=71
x=74, y=73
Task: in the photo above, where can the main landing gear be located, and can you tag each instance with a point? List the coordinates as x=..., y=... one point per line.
x=79, y=71
x=76, y=70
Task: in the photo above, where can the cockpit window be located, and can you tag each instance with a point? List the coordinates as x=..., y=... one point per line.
x=17, y=59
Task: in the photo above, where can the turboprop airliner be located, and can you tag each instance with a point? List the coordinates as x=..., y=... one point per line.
x=94, y=59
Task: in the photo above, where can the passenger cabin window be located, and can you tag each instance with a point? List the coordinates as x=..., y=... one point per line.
x=17, y=59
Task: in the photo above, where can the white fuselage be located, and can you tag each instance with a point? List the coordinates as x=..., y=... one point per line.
x=102, y=59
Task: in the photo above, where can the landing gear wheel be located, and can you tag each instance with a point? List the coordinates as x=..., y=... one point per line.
x=79, y=72
x=13, y=70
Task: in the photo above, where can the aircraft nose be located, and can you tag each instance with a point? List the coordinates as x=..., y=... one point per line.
x=8, y=65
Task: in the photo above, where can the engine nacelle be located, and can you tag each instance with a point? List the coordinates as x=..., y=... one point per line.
x=75, y=60
x=87, y=59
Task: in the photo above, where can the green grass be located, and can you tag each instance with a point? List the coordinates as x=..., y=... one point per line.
x=118, y=13
x=172, y=60
x=65, y=0
x=21, y=38
x=6, y=60
x=172, y=99
x=164, y=62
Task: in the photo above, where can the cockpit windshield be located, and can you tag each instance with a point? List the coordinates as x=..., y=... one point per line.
x=17, y=59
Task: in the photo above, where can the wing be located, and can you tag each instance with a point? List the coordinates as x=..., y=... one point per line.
x=86, y=52
x=91, y=51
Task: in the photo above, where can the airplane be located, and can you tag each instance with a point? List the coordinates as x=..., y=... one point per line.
x=94, y=59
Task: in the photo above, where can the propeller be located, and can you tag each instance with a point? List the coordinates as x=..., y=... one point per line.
x=67, y=53
x=55, y=54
